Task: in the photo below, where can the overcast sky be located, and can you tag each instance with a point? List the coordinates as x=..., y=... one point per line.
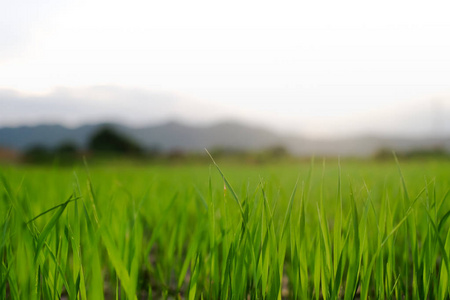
x=319, y=67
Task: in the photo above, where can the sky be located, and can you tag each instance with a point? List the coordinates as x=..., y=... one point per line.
x=318, y=68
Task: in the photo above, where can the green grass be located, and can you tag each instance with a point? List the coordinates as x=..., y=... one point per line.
x=319, y=230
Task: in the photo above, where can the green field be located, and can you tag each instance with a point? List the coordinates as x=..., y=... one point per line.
x=301, y=230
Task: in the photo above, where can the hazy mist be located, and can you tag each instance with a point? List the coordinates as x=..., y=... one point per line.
x=140, y=107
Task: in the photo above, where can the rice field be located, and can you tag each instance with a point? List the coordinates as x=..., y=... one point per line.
x=290, y=230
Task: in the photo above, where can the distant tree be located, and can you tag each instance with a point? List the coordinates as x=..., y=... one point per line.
x=176, y=154
x=383, y=154
x=66, y=148
x=153, y=152
x=38, y=154
x=66, y=152
x=437, y=151
x=277, y=151
x=108, y=141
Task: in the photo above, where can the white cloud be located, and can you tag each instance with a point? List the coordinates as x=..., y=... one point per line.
x=104, y=103
x=317, y=66
x=138, y=107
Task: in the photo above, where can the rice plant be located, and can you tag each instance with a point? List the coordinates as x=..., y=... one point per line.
x=318, y=230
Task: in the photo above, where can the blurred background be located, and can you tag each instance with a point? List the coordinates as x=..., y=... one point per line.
x=163, y=80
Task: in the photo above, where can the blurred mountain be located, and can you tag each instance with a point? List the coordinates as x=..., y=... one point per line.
x=227, y=135
x=21, y=138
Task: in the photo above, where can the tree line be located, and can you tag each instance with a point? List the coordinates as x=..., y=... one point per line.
x=104, y=142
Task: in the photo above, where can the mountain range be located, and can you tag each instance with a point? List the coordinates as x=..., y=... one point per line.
x=229, y=135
